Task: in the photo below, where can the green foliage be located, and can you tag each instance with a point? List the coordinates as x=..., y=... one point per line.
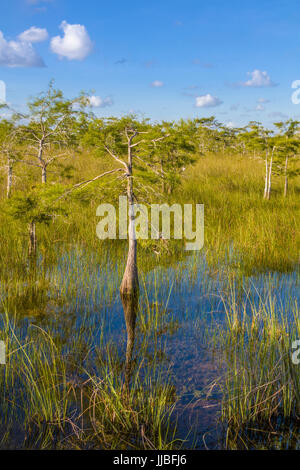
x=40, y=205
x=6, y=128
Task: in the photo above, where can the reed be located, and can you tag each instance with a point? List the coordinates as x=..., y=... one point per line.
x=261, y=384
x=70, y=393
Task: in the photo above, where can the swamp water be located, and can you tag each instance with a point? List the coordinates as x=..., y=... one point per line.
x=173, y=332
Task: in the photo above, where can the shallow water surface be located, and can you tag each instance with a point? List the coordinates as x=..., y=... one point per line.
x=181, y=308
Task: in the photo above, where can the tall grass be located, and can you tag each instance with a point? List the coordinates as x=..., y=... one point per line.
x=241, y=228
x=261, y=390
x=73, y=396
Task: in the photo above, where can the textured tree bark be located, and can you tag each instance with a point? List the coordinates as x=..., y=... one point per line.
x=270, y=176
x=32, y=239
x=163, y=188
x=130, y=305
x=266, y=178
x=285, y=177
x=44, y=175
x=9, y=179
x=42, y=161
x=130, y=281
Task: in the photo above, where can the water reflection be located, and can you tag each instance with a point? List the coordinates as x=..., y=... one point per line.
x=130, y=306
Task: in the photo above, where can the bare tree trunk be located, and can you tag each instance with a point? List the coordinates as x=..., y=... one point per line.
x=42, y=162
x=32, y=239
x=285, y=177
x=266, y=177
x=270, y=175
x=130, y=281
x=9, y=179
x=44, y=175
x=162, y=176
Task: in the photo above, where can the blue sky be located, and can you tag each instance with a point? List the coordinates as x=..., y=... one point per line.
x=163, y=59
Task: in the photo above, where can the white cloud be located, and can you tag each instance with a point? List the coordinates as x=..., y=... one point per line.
x=74, y=45
x=259, y=107
x=230, y=125
x=207, y=101
x=98, y=102
x=157, y=84
x=2, y=92
x=18, y=54
x=34, y=34
x=258, y=79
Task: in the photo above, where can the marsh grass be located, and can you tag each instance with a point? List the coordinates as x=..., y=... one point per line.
x=261, y=384
x=69, y=393
x=242, y=229
x=62, y=389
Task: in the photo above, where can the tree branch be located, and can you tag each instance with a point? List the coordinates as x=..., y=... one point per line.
x=137, y=143
x=56, y=127
x=160, y=138
x=55, y=157
x=85, y=183
x=157, y=172
x=116, y=158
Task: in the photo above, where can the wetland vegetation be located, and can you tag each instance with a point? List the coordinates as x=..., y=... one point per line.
x=196, y=351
